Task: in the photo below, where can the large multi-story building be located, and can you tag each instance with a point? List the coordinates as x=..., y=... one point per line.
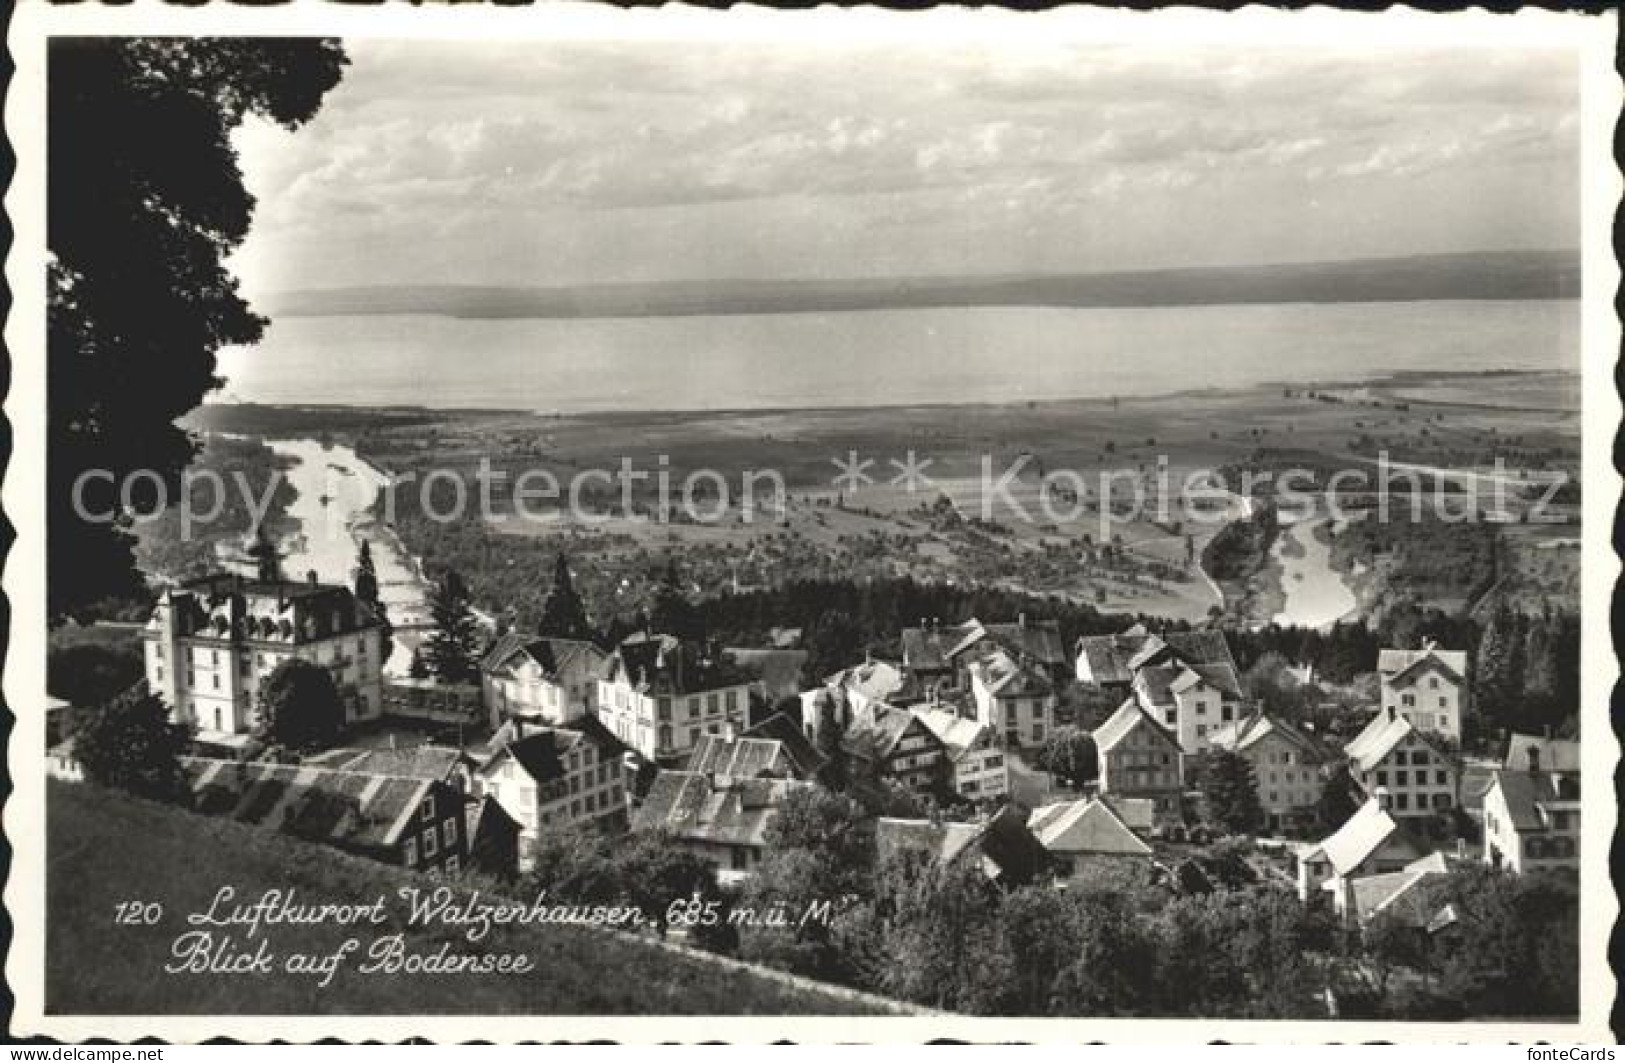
x=1139, y=758
x=1187, y=680
x=1394, y=755
x=1286, y=766
x=659, y=695
x=554, y=778
x=1532, y=819
x=212, y=642
x=1014, y=698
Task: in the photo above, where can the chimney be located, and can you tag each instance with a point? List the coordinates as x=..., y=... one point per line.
x=1533, y=754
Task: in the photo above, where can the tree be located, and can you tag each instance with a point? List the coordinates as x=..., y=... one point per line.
x=1231, y=789
x=1337, y=801
x=300, y=707
x=563, y=613
x=146, y=202
x=670, y=611
x=367, y=593
x=130, y=743
x=451, y=649
x=266, y=557
x=418, y=669
x=1070, y=756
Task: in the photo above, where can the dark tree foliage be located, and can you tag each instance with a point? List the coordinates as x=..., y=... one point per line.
x=564, y=615
x=452, y=648
x=366, y=592
x=300, y=707
x=670, y=612
x=92, y=673
x=130, y=743
x=1231, y=789
x=1069, y=754
x=146, y=202
x=266, y=557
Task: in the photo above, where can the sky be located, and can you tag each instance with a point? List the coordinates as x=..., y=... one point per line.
x=628, y=159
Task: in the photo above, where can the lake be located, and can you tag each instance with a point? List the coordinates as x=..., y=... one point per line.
x=882, y=357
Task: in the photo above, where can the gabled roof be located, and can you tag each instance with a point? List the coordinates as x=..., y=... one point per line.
x=1402, y=667
x=352, y=809
x=1253, y=728
x=956, y=733
x=876, y=731
x=1354, y=842
x=413, y=762
x=806, y=759
x=874, y=680
x=696, y=807
x=1528, y=795
x=741, y=758
x=1003, y=846
x=1396, y=892
x=1085, y=826
x=665, y=666
x=1556, y=754
x=927, y=648
x=1385, y=731
x=1006, y=677
x=1116, y=658
x=1122, y=723
x=540, y=751
x=1156, y=682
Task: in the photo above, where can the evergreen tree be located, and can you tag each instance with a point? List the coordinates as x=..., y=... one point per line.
x=670, y=611
x=267, y=558
x=366, y=592
x=564, y=615
x=1231, y=789
x=450, y=652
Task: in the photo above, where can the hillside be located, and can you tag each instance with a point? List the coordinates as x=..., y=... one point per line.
x=1488, y=275
x=106, y=848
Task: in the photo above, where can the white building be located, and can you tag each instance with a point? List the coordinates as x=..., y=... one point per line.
x=1014, y=698
x=549, y=680
x=1392, y=754
x=555, y=778
x=1427, y=686
x=212, y=642
x=659, y=695
x=1532, y=820
x=979, y=765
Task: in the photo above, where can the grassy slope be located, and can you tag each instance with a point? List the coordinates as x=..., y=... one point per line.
x=105, y=848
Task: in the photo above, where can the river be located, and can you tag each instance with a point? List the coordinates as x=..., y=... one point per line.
x=1314, y=593
x=335, y=490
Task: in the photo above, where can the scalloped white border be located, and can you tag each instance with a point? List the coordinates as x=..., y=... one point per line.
x=1589, y=36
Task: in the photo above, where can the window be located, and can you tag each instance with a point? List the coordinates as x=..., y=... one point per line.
x=1382, y=778
x=664, y=705
x=1408, y=700
x=411, y=853
x=453, y=865
x=428, y=809
x=733, y=700
x=1402, y=801
x=1399, y=756
x=1419, y=757
x=449, y=832
x=1433, y=682
x=575, y=808
x=429, y=846
x=217, y=680
x=711, y=704
x=1441, y=778
x=1402, y=778
x=693, y=735
x=575, y=784
x=693, y=706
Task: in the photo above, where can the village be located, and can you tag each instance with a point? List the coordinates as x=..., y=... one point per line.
x=990, y=747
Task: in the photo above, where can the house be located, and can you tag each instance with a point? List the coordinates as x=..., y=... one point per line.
x=1286, y=763
x=749, y=757
x=1397, y=895
x=1392, y=754
x=805, y=761
x=212, y=642
x=1140, y=758
x=1371, y=842
x=660, y=694
x=555, y=778
x=979, y=766
x=448, y=764
x=411, y=822
x=1532, y=820
x=1033, y=644
x=1427, y=686
x=1187, y=680
x=1538, y=753
x=723, y=820
x=1000, y=845
x=1076, y=832
x=547, y=680
x=885, y=742
x=1013, y=698
x=926, y=652
x=60, y=762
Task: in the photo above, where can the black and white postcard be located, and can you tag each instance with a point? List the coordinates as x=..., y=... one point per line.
x=840, y=525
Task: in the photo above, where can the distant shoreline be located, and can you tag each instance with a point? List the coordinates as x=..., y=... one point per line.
x=1405, y=378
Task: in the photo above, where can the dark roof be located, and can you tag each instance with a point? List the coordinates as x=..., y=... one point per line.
x=351, y=809
x=540, y=750
x=1556, y=754
x=552, y=655
x=695, y=807
x=413, y=762
x=1526, y=794
x=784, y=730
x=665, y=666
x=779, y=670
x=877, y=730
x=926, y=648
x=1007, y=850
